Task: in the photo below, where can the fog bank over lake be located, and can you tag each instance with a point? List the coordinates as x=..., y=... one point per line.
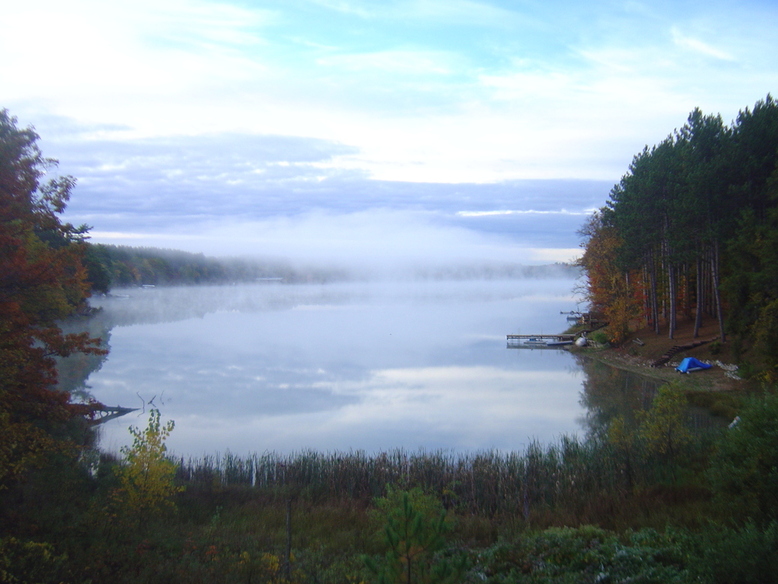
x=344, y=366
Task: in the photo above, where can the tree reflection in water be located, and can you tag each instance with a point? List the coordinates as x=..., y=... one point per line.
x=609, y=392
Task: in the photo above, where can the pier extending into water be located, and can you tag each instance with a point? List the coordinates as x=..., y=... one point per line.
x=540, y=341
x=101, y=413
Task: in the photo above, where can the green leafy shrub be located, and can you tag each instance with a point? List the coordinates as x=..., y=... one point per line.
x=583, y=555
x=663, y=427
x=747, y=555
x=744, y=469
x=27, y=561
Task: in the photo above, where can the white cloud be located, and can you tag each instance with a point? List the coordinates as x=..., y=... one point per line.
x=700, y=47
x=398, y=61
x=439, y=12
x=508, y=212
x=377, y=241
x=464, y=12
x=359, y=8
x=87, y=45
x=425, y=91
x=553, y=255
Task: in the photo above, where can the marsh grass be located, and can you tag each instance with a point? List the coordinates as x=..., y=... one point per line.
x=569, y=482
x=230, y=522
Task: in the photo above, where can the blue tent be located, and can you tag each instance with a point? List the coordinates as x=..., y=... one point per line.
x=690, y=364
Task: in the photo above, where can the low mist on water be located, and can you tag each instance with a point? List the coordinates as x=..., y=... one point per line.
x=374, y=243
x=369, y=365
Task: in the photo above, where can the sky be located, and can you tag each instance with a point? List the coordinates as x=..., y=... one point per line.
x=368, y=131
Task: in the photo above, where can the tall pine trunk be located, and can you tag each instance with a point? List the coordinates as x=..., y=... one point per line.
x=654, y=300
x=671, y=283
x=700, y=298
x=716, y=291
x=673, y=323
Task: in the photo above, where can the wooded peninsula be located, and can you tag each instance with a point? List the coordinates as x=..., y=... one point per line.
x=688, y=236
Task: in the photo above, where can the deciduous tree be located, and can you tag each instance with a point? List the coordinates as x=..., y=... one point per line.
x=608, y=286
x=42, y=280
x=147, y=475
x=664, y=426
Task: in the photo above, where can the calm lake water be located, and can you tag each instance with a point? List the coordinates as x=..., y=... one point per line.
x=351, y=366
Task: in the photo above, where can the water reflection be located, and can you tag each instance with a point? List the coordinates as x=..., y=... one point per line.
x=342, y=366
x=608, y=392
x=73, y=371
x=368, y=366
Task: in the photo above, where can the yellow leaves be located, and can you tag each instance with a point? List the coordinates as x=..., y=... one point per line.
x=620, y=313
x=609, y=288
x=254, y=567
x=270, y=562
x=28, y=561
x=147, y=477
x=23, y=446
x=663, y=427
x=619, y=433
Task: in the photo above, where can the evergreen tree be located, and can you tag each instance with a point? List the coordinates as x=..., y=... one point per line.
x=414, y=531
x=691, y=226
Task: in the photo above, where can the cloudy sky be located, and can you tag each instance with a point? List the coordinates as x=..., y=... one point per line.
x=362, y=129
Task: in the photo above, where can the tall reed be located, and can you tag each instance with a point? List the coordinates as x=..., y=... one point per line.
x=569, y=474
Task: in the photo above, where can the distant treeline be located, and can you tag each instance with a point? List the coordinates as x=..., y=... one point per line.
x=116, y=266
x=691, y=231
x=489, y=271
x=112, y=266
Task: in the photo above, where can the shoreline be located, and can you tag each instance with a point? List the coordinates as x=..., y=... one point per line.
x=644, y=346
x=716, y=379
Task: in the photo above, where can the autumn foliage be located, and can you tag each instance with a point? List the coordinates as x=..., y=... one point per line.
x=689, y=232
x=42, y=280
x=147, y=477
x=608, y=286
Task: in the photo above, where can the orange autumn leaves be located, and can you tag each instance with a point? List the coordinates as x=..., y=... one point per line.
x=42, y=280
x=608, y=287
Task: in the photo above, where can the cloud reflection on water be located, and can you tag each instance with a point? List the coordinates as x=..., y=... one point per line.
x=381, y=367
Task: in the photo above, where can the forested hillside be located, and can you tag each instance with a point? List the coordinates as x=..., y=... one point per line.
x=690, y=232
x=111, y=266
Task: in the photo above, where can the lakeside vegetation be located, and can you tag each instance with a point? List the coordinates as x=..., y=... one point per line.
x=655, y=502
x=690, y=232
x=645, y=497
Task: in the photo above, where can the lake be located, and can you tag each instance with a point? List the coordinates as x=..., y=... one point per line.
x=346, y=366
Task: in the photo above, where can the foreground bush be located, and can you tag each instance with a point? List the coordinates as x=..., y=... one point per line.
x=582, y=555
x=747, y=555
x=744, y=470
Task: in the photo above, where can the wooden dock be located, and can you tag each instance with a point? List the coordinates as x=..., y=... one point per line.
x=540, y=341
x=101, y=413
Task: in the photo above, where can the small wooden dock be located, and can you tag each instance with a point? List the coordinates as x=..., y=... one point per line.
x=101, y=413
x=540, y=341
